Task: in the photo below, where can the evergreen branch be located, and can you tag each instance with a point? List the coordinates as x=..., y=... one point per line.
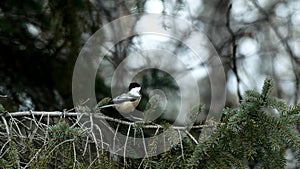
x=247, y=135
x=267, y=88
x=206, y=146
x=99, y=116
x=278, y=125
x=274, y=156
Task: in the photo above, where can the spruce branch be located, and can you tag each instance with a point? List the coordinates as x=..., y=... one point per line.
x=267, y=88
x=251, y=133
x=100, y=116
x=254, y=134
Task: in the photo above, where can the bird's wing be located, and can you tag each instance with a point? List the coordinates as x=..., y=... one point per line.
x=105, y=106
x=122, y=98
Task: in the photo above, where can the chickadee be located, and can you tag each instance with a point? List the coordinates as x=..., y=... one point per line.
x=127, y=102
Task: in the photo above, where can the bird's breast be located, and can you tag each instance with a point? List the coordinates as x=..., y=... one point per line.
x=127, y=107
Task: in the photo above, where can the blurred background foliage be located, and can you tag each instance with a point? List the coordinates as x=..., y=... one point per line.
x=40, y=42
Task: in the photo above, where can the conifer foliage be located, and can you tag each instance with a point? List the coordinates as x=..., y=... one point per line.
x=254, y=135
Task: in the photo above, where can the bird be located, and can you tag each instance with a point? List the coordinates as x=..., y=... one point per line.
x=127, y=102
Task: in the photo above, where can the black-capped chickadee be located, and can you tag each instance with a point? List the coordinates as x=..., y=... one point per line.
x=127, y=102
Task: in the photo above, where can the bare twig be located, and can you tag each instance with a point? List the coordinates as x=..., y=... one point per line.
x=85, y=146
x=92, y=162
x=144, y=143
x=2, y=152
x=182, y=151
x=13, y=120
x=59, y=144
x=40, y=113
x=95, y=139
x=124, y=154
x=233, y=51
x=101, y=138
x=191, y=136
x=6, y=125
x=141, y=164
x=115, y=136
x=35, y=156
x=100, y=116
x=74, y=151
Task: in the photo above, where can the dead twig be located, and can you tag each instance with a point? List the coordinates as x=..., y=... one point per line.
x=233, y=52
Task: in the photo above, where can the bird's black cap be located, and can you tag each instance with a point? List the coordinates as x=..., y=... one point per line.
x=133, y=85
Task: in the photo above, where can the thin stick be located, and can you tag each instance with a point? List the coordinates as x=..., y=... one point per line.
x=124, y=154
x=114, y=139
x=191, y=136
x=103, y=117
x=101, y=138
x=6, y=126
x=233, y=51
x=35, y=155
x=74, y=151
x=144, y=143
x=179, y=134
